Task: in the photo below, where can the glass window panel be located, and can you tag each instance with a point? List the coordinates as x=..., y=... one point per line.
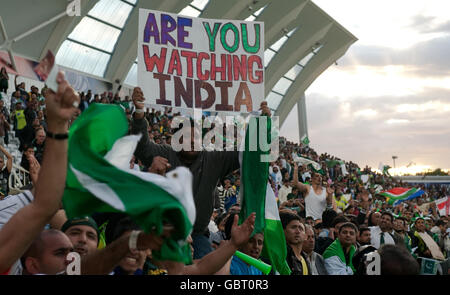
x=130, y=1
x=282, y=85
x=277, y=45
x=82, y=58
x=293, y=72
x=268, y=55
x=306, y=59
x=190, y=11
x=115, y=12
x=200, y=4
x=273, y=100
x=131, y=78
x=292, y=32
x=96, y=34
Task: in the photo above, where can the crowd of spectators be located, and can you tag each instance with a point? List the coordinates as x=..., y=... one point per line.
x=332, y=217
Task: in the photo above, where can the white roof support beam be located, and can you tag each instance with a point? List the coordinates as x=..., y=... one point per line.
x=313, y=26
x=280, y=18
x=231, y=9
x=126, y=48
x=336, y=43
x=65, y=26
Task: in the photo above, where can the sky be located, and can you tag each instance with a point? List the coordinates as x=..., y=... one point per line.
x=389, y=95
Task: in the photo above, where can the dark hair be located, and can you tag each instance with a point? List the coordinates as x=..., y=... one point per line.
x=402, y=219
x=348, y=224
x=369, y=222
x=389, y=214
x=327, y=217
x=309, y=218
x=339, y=219
x=229, y=225
x=397, y=260
x=363, y=229
x=440, y=222
x=286, y=218
x=123, y=225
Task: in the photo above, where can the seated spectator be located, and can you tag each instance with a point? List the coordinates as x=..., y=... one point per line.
x=364, y=236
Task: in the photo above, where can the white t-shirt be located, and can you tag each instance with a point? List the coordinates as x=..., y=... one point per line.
x=315, y=204
x=11, y=204
x=8, y=207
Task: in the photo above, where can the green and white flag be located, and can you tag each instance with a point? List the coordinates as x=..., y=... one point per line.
x=99, y=180
x=303, y=161
x=274, y=240
x=305, y=139
x=256, y=195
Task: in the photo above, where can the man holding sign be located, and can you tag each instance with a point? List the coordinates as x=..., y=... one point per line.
x=204, y=64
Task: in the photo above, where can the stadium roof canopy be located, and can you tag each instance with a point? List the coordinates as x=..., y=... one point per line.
x=301, y=40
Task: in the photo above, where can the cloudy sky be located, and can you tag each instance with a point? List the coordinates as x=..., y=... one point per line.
x=390, y=93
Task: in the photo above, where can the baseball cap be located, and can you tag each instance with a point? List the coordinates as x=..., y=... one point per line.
x=85, y=220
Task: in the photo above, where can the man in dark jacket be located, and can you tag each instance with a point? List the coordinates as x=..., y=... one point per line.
x=207, y=168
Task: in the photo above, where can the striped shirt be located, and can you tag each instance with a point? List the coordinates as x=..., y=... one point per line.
x=8, y=207
x=13, y=203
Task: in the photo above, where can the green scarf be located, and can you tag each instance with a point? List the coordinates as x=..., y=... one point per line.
x=335, y=249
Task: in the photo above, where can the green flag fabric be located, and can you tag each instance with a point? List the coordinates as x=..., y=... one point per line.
x=99, y=180
x=274, y=240
x=305, y=139
x=254, y=173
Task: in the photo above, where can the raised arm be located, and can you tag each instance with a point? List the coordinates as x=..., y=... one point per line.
x=214, y=261
x=301, y=187
x=9, y=160
x=145, y=150
x=105, y=260
x=50, y=186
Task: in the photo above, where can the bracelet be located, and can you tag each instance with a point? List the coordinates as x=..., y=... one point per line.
x=139, y=111
x=132, y=242
x=57, y=136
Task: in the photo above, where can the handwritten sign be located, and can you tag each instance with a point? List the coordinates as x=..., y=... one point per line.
x=194, y=63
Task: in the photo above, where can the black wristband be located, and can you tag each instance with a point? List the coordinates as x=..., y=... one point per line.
x=58, y=136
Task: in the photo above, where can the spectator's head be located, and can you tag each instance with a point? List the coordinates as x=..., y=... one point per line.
x=134, y=259
x=308, y=245
x=40, y=136
x=400, y=224
x=364, y=236
x=347, y=234
x=386, y=221
x=374, y=218
x=442, y=224
x=275, y=169
x=316, y=178
x=28, y=150
x=47, y=254
x=309, y=220
x=419, y=224
x=254, y=245
x=83, y=233
x=397, y=260
x=327, y=218
x=18, y=106
x=294, y=230
x=338, y=221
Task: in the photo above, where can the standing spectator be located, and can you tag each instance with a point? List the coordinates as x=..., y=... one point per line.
x=207, y=167
x=4, y=80
x=38, y=144
x=314, y=259
x=5, y=171
x=317, y=198
x=294, y=232
x=339, y=255
x=4, y=126
x=284, y=191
